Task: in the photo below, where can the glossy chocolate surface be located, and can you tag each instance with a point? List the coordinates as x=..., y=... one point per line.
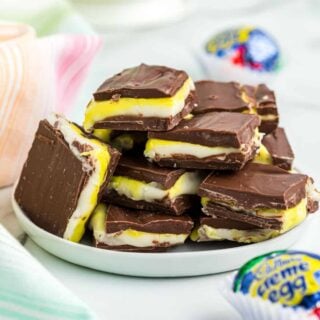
x=143, y=81
x=219, y=96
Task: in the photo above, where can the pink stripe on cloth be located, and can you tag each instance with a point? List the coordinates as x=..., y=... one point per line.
x=72, y=64
x=37, y=76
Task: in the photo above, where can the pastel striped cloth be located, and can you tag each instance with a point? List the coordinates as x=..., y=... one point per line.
x=37, y=76
x=28, y=291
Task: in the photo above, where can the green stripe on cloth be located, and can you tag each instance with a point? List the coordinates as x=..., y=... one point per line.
x=54, y=310
x=28, y=291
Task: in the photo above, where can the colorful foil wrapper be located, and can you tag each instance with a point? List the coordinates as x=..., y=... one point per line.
x=246, y=47
x=287, y=278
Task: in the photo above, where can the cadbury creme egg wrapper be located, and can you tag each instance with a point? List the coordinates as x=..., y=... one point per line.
x=288, y=278
x=245, y=54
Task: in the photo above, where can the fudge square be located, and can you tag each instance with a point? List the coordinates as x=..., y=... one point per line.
x=214, y=140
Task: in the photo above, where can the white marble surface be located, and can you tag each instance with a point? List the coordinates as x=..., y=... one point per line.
x=297, y=26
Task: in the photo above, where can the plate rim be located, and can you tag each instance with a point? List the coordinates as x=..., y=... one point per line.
x=20, y=214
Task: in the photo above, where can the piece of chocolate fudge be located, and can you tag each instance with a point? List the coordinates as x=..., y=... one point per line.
x=118, y=228
x=233, y=97
x=214, y=140
x=141, y=98
x=262, y=195
x=63, y=176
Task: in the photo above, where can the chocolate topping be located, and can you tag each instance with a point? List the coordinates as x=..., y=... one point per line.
x=219, y=96
x=213, y=129
x=255, y=186
x=143, y=81
x=279, y=148
x=223, y=223
x=52, y=179
x=225, y=213
x=119, y=219
x=140, y=169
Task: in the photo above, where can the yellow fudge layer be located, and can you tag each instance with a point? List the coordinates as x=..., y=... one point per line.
x=143, y=107
x=268, y=117
x=263, y=117
x=95, y=161
x=187, y=183
x=102, y=134
x=125, y=141
x=263, y=156
x=129, y=236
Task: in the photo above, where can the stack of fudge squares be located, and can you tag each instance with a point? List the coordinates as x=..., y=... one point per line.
x=161, y=159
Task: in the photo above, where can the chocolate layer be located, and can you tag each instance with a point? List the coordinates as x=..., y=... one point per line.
x=219, y=96
x=223, y=223
x=255, y=186
x=213, y=129
x=52, y=179
x=279, y=148
x=140, y=169
x=268, y=126
x=119, y=219
x=126, y=248
x=143, y=81
x=177, y=206
x=215, y=210
x=232, y=161
x=137, y=123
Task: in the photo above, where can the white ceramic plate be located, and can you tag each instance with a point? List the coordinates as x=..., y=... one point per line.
x=191, y=259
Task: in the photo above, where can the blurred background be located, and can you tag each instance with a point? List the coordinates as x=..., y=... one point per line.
x=176, y=32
